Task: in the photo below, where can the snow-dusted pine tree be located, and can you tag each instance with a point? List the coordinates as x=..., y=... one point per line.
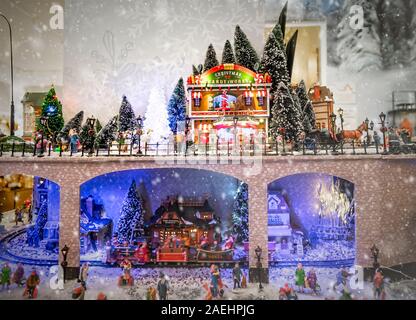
x=75, y=123
x=240, y=213
x=211, y=60
x=35, y=233
x=131, y=215
x=127, y=118
x=195, y=70
x=359, y=47
x=107, y=134
x=177, y=107
x=277, y=31
x=285, y=115
x=156, y=117
x=98, y=126
x=245, y=54
x=274, y=63
x=306, y=124
x=228, y=53
x=306, y=106
x=87, y=137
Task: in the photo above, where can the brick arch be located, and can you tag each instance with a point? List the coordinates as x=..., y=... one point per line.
x=269, y=182
x=168, y=167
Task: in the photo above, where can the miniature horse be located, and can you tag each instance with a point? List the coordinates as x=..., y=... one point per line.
x=354, y=135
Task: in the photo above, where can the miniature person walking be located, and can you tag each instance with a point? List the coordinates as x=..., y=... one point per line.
x=74, y=141
x=5, y=276
x=31, y=284
x=19, y=275
x=83, y=274
x=237, y=273
x=300, y=277
x=312, y=281
x=342, y=278
x=163, y=287
x=378, y=283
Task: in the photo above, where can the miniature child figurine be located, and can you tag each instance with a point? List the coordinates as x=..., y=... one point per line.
x=300, y=277
x=151, y=294
x=5, y=276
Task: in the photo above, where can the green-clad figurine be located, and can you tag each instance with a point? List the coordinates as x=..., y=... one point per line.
x=300, y=277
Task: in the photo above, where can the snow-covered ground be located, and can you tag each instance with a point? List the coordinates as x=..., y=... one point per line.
x=187, y=284
x=324, y=251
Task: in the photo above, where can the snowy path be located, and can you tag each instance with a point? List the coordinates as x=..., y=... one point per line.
x=186, y=284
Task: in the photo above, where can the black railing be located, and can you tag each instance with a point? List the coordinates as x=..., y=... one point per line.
x=116, y=149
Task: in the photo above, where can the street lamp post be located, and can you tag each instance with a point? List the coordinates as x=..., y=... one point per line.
x=334, y=137
x=187, y=124
x=140, y=132
x=374, y=254
x=258, y=251
x=11, y=76
x=367, y=129
x=382, y=117
x=341, y=116
x=44, y=122
x=91, y=123
x=235, y=121
x=64, y=262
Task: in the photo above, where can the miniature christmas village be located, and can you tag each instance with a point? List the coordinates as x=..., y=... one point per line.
x=183, y=230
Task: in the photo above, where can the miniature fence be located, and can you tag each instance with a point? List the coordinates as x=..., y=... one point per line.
x=312, y=148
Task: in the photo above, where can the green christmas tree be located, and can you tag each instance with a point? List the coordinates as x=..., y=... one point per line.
x=107, y=134
x=195, y=71
x=306, y=106
x=245, y=54
x=98, y=126
x=277, y=31
x=240, y=213
x=177, y=107
x=131, y=216
x=127, y=118
x=228, y=53
x=51, y=108
x=274, y=63
x=285, y=115
x=210, y=59
x=74, y=124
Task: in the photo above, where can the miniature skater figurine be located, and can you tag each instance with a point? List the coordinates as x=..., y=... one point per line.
x=163, y=287
x=19, y=275
x=5, y=276
x=31, y=284
x=237, y=273
x=300, y=277
x=378, y=282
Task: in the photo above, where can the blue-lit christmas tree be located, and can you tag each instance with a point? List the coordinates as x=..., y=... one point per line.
x=177, y=107
x=240, y=213
x=131, y=219
x=35, y=233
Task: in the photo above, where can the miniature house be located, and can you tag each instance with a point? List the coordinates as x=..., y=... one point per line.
x=323, y=105
x=32, y=108
x=279, y=228
x=184, y=218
